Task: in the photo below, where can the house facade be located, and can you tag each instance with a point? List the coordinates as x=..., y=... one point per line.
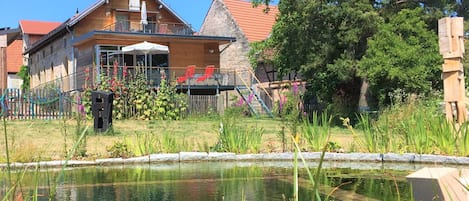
x=248, y=24
x=15, y=42
x=10, y=56
x=90, y=43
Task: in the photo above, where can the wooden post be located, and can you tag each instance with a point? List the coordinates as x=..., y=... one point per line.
x=451, y=42
x=3, y=62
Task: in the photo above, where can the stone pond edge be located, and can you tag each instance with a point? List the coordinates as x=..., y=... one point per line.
x=409, y=158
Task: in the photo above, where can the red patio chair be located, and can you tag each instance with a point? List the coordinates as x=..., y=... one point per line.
x=189, y=74
x=209, y=70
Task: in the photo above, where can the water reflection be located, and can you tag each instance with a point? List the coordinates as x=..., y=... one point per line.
x=214, y=181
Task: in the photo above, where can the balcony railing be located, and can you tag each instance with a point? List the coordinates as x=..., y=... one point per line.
x=150, y=27
x=86, y=76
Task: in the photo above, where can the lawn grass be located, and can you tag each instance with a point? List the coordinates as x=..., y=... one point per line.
x=36, y=140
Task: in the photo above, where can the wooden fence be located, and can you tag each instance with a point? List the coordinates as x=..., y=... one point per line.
x=203, y=104
x=35, y=104
x=49, y=103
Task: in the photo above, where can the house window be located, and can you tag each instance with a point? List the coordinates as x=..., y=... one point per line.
x=65, y=42
x=43, y=54
x=51, y=49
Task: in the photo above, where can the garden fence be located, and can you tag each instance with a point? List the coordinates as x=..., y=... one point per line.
x=46, y=103
x=50, y=103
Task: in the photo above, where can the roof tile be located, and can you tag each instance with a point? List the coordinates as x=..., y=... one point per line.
x=253, y=21
x=38, y=27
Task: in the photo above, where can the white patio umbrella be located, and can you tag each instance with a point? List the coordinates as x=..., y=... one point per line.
x=143, y=15
x=146, y=48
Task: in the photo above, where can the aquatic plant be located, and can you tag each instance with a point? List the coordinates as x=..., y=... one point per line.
x=316, y=130
x=237, y=138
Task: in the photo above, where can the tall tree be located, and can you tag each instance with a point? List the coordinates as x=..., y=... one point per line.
x=403, y=54
x=324, y=40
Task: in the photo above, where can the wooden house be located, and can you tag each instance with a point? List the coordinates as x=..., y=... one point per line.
x=90, y=43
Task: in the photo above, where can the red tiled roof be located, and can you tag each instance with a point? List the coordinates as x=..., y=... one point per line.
x=254, y=22
x=37, y=27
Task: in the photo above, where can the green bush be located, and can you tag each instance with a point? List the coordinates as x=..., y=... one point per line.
x=134, y=99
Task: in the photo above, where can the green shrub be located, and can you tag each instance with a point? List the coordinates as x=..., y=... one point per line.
x=119, y=150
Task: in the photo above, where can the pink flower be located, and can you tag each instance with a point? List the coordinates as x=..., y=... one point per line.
x=240, y=102
x=250, y=98
x=295, y=88
x=80, y=107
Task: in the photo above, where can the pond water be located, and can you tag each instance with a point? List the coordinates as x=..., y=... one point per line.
x=207, y=181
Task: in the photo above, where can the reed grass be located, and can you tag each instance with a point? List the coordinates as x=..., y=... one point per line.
x=316, y=131
x=238, y=139
x=7, y=151
x=146, y=143
x=169, y=143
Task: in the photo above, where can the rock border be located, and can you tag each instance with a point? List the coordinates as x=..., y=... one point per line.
x=181, y=157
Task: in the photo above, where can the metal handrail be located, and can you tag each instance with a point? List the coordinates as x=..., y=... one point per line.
x=253, y=75
x=150, y=27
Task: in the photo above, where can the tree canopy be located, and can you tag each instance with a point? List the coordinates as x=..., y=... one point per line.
x=403, y=54
x=335, y=44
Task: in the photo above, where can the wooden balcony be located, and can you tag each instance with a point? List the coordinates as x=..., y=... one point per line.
x=218, y=81
x=151, y=28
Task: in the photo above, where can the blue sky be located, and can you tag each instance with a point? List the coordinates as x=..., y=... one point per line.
x=193, y=11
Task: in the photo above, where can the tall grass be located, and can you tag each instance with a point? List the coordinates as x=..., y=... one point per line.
x=12, y=186
x=313, y=178
x=373, y=143
x=7, y=152
x=169, y=143
x=146, y=143
x=417, y=127
x=316, y=130
x=237, y=138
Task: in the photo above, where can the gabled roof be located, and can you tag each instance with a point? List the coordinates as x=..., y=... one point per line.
x=37, y=27
x=253, y=22
x=62, y=28
x=99, y=3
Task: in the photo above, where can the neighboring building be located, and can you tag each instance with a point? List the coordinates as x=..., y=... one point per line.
x=248, y=24
x=92, y=41
x=12, y=45
x=10, y=56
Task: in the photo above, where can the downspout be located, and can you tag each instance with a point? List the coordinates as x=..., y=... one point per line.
x=74, y=64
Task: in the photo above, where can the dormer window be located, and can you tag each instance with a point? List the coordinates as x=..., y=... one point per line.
x=134, y=5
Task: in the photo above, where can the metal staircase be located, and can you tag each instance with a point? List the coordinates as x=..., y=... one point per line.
x=248, y=93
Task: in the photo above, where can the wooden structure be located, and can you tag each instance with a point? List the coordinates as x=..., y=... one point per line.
x=93, y=39
x=439, y=184
x=451, y=42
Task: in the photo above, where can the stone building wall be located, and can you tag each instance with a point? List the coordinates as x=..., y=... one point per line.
x=219, y=22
